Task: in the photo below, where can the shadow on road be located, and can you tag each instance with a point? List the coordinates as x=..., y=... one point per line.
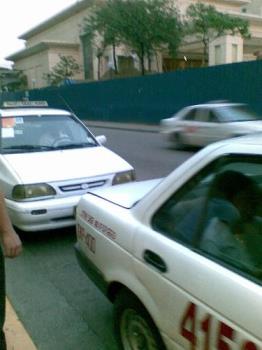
x=47, y=237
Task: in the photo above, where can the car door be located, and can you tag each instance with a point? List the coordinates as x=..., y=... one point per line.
x=189, y=126
x=199, y=298
x=210, y=129
x=201, y=126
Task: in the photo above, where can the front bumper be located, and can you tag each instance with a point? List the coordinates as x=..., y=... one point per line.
x=44, y=214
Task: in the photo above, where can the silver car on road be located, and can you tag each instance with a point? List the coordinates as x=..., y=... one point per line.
x=203, y=124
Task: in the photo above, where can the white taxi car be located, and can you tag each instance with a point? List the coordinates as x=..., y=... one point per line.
x=48, y=159
x=200, y=125
x=181, y=257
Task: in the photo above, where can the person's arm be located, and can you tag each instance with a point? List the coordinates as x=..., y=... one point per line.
x=10, y=241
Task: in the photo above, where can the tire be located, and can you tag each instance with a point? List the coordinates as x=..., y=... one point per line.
x=176, y=140
x=134, y=328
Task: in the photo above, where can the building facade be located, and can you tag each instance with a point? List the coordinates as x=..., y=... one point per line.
x=62, y=34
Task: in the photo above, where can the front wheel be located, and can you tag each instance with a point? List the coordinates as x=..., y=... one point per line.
x=176, y=139
x=135, y=329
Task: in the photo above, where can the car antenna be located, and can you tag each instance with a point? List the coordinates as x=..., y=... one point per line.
x=66, y=103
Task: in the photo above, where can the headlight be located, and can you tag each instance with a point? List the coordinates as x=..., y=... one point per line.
x=23, y=192
x=125, y=176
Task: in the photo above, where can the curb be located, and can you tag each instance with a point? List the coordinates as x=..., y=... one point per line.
x=17, y=337
x=123, y=126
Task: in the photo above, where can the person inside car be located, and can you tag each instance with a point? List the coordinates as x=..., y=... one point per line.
x=54, y=137
x=231, y=203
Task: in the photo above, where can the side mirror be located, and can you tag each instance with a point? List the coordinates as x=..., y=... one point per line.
x=101, y=139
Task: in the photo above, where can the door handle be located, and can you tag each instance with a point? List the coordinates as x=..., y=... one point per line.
x=155, y=260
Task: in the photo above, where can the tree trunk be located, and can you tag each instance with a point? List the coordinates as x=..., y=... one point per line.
x=142, y=59
x=114, y=59
x=157, y=63
x=99, y=67
x=149, y=61
x=205, y=52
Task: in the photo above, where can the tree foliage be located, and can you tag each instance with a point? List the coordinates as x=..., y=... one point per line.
x=13, y=80
x=208, y=24
x=144, y=26
x=101, y=33
x=65, y=69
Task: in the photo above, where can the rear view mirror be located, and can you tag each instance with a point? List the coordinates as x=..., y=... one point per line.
x=101, y=139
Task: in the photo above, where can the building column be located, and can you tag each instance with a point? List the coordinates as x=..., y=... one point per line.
x=226, y=49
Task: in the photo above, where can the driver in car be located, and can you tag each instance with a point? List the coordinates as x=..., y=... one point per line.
x=54, y=137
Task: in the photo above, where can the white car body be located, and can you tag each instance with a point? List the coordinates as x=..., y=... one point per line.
x=195, y=301
x=201, y=129
x=69, y=171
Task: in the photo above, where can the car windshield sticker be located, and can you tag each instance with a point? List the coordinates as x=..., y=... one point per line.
x=8, y=122
x=8, y=132
x=19, y=120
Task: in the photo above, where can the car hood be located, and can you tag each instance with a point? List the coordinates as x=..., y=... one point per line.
x=65, y=164
x=126, y=195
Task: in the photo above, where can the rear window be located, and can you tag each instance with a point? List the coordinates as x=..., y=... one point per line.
x=229, y=114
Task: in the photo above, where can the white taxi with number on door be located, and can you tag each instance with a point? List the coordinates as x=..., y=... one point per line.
x=48, y=159
x=181, y=257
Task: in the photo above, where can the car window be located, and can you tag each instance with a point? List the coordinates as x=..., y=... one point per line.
x=190, y=115
x=236, y=114
x=30, y=133
x=212, y=117
x=218, y=213
x=202, y=114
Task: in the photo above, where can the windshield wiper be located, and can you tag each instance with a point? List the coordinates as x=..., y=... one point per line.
x=76, y=145
x=28, y=148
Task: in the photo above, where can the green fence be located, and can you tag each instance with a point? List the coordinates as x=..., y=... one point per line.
x=151, y=98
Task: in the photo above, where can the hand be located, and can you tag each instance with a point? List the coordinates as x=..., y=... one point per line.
x=11, y=244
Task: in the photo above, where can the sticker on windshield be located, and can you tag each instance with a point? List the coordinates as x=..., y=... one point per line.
x=8, y=132
x=8, y=122
x=19, y=120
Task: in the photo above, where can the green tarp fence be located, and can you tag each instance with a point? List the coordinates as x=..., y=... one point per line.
x=153, y=97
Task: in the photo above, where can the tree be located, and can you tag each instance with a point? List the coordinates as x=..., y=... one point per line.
x=13, y=80
x=208, y=24
x=66, y=68
x=101, y=33
x=144, y=26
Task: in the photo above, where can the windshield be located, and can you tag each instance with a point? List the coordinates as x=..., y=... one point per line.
x=229, y=114
x=34, y=133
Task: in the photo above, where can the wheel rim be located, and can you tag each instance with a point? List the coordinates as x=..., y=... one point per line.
x=135, y=332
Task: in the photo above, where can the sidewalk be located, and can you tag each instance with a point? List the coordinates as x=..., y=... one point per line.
x=16, y=335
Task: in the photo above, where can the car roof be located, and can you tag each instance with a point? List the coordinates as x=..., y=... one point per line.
x=11, y=112
x=216, y=104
